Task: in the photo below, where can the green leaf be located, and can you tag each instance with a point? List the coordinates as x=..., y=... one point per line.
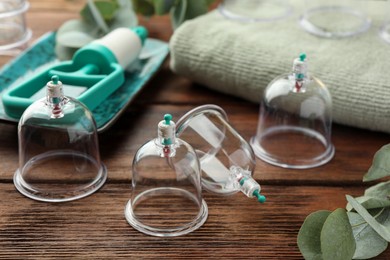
x=369, y=202
x=124, y=17
x=377, y=196
x=107, y=8
x=337, y=241
x=187, y=9
x=162, y=7
x=71, y=36
x=380, y=165
x=86, y=14
x=209, y=2
x=368, y=243
x=382, y=230
x=64, y=53
x=76, y=33
x=196, y=8
x=381, y=190
x=144, y=7
x=309, y=235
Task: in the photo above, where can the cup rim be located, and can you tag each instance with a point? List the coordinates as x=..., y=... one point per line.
x=26, y=37
x=21, y=9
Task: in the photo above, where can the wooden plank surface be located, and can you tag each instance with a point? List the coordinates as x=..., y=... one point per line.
x=95, y=226
x=237, y=227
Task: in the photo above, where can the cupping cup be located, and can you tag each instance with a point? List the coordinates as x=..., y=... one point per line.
x=168, y=173
x=59, y=156
x=295, y=121
x=166, y=195
x=335, y=18
x=14, y=33
x=255, y=10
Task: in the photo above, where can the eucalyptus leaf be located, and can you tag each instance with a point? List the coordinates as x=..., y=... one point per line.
x=87, y=15
x=381, y=190
x=376, y=196
x=124, y=17
x=368, y=243
x=380, y=165
x=369, y=202
x=144, y=7
x=337, y=240
x=187, y=9
x=162, y=7
x=382, y=230
x=106, y=8
x=196, y=8
x=384, y=218
x=96, y=16
x=64, y=53
x=76, y=33
x=309, y=235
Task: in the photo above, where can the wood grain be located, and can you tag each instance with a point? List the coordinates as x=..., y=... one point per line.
x=237, y=227
x=95, y=226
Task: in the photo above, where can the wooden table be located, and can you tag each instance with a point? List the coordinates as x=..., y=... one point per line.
x=237, y=227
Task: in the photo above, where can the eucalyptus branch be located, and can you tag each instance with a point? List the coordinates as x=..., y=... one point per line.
x=179, y=10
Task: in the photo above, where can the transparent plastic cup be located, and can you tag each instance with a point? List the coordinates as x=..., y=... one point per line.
x=14, y=34
x=59, y=157
x=255, y=10
x=295, y=121
x=166, y=198
x=335, y=18
x=227, y=161
x=168, y=173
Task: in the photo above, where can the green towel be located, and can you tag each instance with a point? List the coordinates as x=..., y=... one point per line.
x=242, y=58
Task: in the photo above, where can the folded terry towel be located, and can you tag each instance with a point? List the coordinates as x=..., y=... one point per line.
x=242, y=58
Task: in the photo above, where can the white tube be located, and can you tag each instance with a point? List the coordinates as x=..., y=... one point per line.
x=124, y=43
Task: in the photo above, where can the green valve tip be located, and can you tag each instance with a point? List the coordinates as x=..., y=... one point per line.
x=167, y=141
x=242, y=181
x=167, y=118
x=260, y=198
x=55, y=79
x=302, y=56
x=141, y=32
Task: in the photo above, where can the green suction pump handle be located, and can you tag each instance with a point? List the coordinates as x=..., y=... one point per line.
x=99, y=67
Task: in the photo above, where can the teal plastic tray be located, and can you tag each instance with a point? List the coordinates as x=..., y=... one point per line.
x=41, y=55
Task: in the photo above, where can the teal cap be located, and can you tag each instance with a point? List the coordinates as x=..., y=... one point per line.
x=302, y=56
x=260, y=198
x=142, y=33
x=55, y=79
